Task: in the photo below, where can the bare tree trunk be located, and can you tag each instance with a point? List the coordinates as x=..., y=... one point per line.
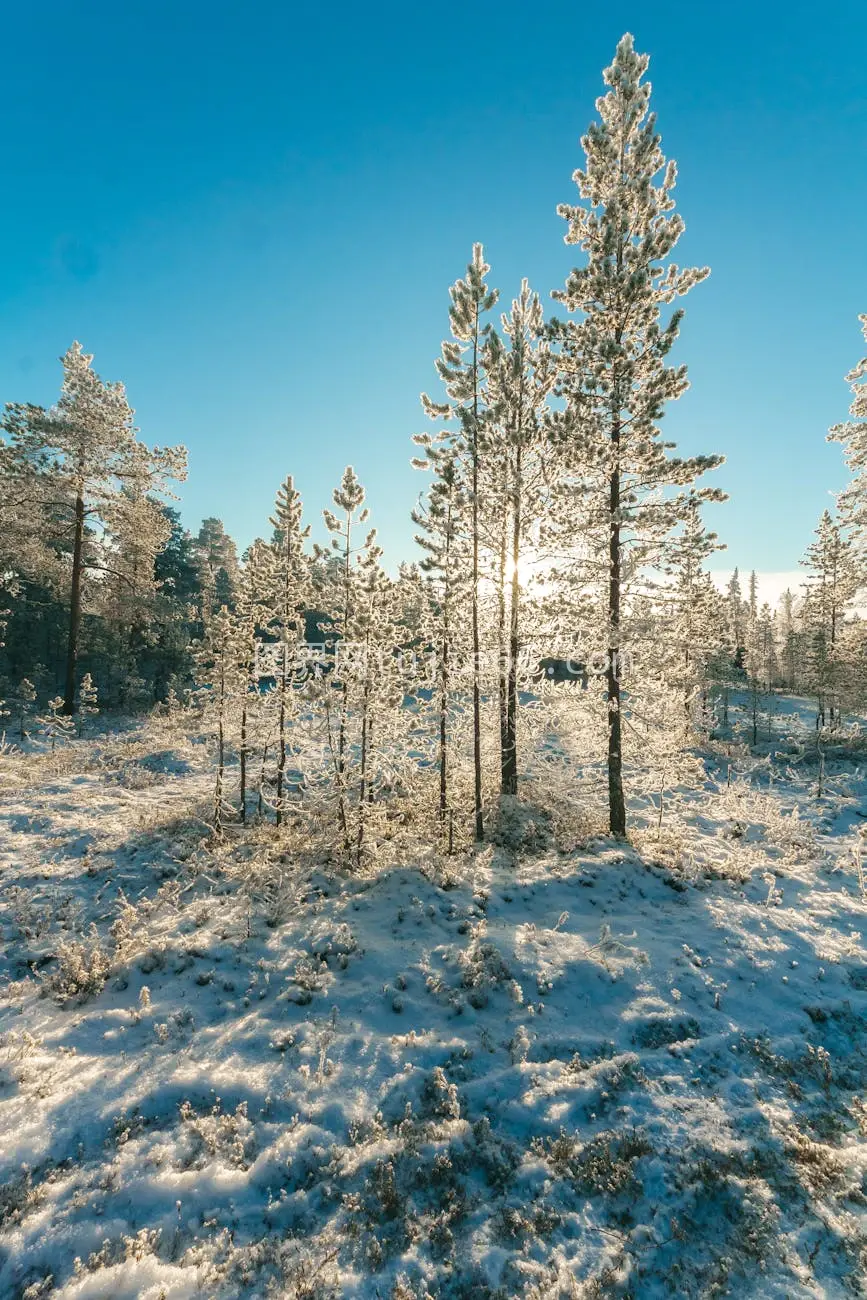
x=502, y=651
x=616, y=801
x=443, y=728
x=74, y=607
x=364, y=790
x=478, y=819
x=260, y=801
x=444, y=677
x=221, y=751
x=281, y=761
x=510, y=749
x=243, y=759
x=344, y=691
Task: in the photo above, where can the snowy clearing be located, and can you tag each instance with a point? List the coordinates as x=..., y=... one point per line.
x=629, y=1071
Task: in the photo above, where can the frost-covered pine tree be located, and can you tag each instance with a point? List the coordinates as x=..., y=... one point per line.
x=25, y=698
x=833, y=578
x=442, y=537
x=77, y=460
x=852, y=434
x=135, y=532
x=521, y=377
x=363, y=694
x=338, y=567
x=219, y=571
x=614, y=369
x=55, y=724
x=789, y=643
x=290, y=591
x=219, y=683
x=461, y=369
x=753, y=643
x=375, y=693
x=88, y=705
x=690, y=626
x=735, y=619
x=251, y=615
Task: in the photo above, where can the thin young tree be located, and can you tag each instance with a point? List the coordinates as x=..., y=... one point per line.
x=290, y=578
x=441, y=536
x=370, y=674
x=690, y=624
x=521, y=377
x=25, y=698
x=614, y=356
x=788, y=637
x=216, y=664
x=251, y=615
x=461, y=369
x=833, y=577
x=337, y=565
x=88, y=701
x=735, y=618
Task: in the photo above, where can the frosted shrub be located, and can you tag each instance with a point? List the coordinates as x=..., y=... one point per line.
x=19, y=1197
x=483, y=967
x=55, y=724
x=310, y=976
x=603, y=1166
x=227, y=1136
x=120, y=1251
x=82, y=970
x=15, y=1049
x=521, y=827
x=439, y=1098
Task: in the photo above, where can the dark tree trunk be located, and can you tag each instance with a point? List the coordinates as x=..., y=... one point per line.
x=616, y=802
x=243, y=759
x=74, y=607
x=444, y=678
x=510, y=748
x=502, y=653
x=221, y=749
x=281, y=761
x=478, y=819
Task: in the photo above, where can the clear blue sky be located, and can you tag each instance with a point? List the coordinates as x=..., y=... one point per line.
x=252, y=213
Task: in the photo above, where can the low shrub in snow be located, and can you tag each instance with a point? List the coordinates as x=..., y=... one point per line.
x=82, y=970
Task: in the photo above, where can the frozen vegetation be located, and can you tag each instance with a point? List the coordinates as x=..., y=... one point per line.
x=602, y=1069
x=483, y=927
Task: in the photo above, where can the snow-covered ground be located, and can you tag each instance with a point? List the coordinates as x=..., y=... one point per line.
x=616, y=1071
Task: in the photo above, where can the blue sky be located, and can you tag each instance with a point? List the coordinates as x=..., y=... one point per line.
x=252, y=214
